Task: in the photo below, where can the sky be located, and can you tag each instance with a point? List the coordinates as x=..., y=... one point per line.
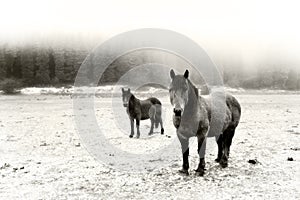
x=249, y=29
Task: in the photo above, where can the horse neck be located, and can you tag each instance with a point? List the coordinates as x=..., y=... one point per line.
x=193, y=96
x=132, y=102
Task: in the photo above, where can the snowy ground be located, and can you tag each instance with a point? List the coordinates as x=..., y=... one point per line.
x=42, y=156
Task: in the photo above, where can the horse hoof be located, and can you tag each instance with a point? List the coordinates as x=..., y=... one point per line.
x=200, y=172
x=162, y=131
x=150, y=133
x=217, y=160
x=137, y=137
x=184, y=171
x=131, y=136
x=223, y=164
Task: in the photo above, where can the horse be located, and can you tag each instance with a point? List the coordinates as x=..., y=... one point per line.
x=192, y=117
x=141, y=110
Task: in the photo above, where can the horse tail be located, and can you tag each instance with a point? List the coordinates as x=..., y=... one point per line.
x=235, y=111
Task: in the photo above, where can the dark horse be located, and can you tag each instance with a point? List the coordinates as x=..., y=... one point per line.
x=140, y=110
x=192, y=117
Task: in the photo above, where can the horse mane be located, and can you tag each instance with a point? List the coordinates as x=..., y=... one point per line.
x=194, y=88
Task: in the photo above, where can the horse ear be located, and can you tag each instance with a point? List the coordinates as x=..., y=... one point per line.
x=128, y=89
x=186, y=74
x=122, y=89
x=172, y=73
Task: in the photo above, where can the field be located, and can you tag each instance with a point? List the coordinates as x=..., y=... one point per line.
x=44, y=156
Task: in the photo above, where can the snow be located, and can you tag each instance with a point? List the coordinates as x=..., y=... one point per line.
x=43, y=156
x=66, y=90
x=108, y=89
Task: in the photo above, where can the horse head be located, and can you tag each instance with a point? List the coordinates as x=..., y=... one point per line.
x=179, y=94
x=125, y=96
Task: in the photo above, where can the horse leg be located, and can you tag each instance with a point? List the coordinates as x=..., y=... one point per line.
x=162, y=128
x=132, y=127
x=185, y=155
x=201, y=152
x=152, y=125
x=229, y=139
x=226, y=142
x=152, y=118
x=137, y=120
x=219, y=139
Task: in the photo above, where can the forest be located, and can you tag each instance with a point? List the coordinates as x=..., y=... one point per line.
x=42, y=65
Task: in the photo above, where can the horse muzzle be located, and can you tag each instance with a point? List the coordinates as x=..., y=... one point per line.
x=125, y=104
x=177, y=117
x=177, y=112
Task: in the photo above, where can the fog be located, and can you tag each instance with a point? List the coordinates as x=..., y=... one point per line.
x=236, y=34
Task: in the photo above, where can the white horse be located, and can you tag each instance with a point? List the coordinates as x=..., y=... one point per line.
x=192, y=117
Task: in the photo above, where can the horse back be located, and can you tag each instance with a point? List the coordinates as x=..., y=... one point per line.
x=232, y=109
x=154, y=100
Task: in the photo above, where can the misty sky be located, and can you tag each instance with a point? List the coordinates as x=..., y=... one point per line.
x=236, y=29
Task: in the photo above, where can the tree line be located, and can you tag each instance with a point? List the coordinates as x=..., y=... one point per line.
x=40, y=65
x=264, y=78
